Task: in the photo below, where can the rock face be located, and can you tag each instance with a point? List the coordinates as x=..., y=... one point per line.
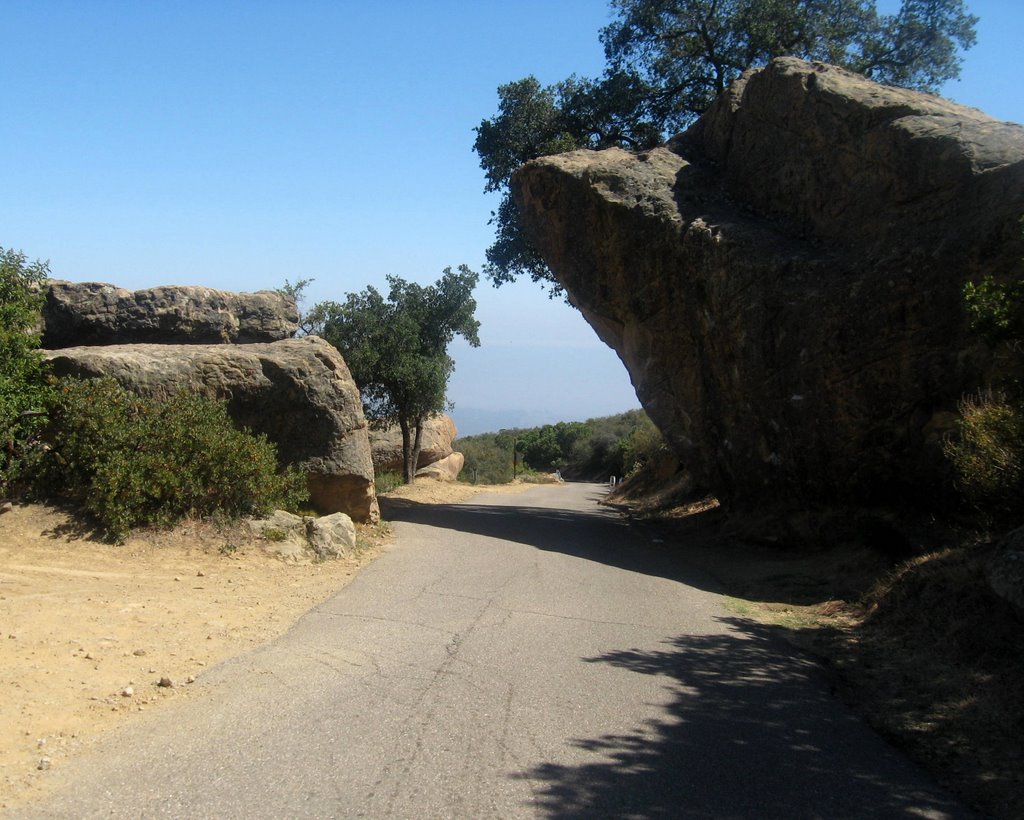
x=92, y=313
x=784, y=280
x=438, y=435
x=297, y=391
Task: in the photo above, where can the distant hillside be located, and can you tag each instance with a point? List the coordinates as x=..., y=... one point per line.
x=595, y=449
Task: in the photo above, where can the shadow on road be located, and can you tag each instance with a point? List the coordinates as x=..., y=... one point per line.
x=740, y=691
x=597, y=534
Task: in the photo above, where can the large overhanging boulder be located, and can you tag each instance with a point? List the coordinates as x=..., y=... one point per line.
x=93, y=313
x=784, y=281
x=297, y=391
x=436, y=443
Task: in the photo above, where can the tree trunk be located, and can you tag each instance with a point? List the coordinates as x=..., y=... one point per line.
x=408, y=465
x=412, y=443
x=416, y=446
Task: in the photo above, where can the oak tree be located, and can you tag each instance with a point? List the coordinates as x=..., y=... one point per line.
x=397, y=348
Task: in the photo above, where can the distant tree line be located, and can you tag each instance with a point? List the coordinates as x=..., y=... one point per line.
x=586, y=450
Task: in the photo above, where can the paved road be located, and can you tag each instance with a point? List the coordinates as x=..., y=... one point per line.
x=518, y=656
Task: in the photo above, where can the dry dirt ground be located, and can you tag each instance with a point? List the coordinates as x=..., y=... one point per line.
x=88, y=630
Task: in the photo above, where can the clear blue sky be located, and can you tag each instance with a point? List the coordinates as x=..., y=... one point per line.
x=237, y=144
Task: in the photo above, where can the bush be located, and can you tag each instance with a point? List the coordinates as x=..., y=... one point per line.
x=988, y=455
x=23, y=385
x=135, y=461
x=387, y=481
x=488, y=459
x=641, y=447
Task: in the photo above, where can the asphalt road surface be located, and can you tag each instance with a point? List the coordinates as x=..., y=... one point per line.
x=518, y=656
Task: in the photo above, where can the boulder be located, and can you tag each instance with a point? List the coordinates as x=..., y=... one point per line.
x=93, y=313
x=283, y=534
x=297, y=391
x=436, y=444
x=445, y=469
x=331, y=536
x=298, y=538
x=784, y=281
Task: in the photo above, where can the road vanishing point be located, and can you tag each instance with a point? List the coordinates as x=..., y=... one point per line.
x=528, y=655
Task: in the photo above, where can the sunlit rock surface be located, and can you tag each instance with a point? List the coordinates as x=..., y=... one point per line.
x=94, y=313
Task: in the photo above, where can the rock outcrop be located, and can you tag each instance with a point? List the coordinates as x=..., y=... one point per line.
x=302, y=538
x=93, y=313
x=436, y=444
x=784, y=280
x=299, y=392
x=445, y=469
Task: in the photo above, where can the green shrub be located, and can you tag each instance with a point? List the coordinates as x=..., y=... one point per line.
x=388, y=481
x=988, y=455
x=592, y=449
x=135, y=461
x=23, y=386
x=643, y=444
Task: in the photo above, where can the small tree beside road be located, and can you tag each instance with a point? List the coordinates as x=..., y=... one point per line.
x=397, y=348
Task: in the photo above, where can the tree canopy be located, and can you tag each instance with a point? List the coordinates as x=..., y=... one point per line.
x=667, y=61
x=397, y=348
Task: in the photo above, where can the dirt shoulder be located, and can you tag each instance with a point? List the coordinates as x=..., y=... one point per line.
x=88, y=630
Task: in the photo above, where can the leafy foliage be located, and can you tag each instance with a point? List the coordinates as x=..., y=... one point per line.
x=996, y=309
x=592, y=449
x=988, y=455
x=387, y=481
x=23, y=387
x=666, y=62
x=135, y=461
x=397, y=348
x=296, y=292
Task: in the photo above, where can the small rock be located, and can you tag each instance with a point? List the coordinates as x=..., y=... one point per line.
x=5, y=506
x=127, y=692
x=139, y=652
x=190, y=679
x=331, y=535
x=44, y=764
x=166, y=683
x=200, y=574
